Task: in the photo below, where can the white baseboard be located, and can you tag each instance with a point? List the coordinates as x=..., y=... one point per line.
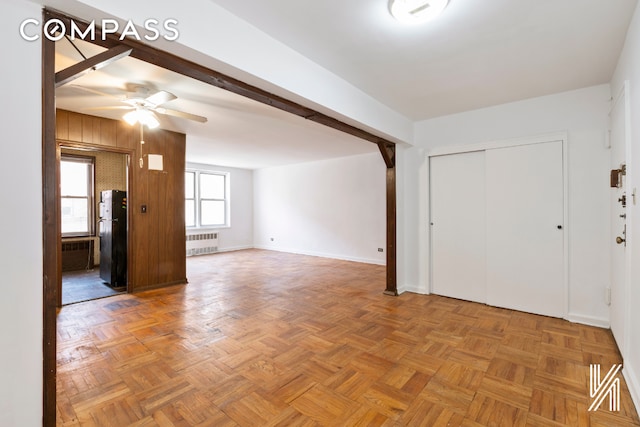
x=322, y=255
x=633, y=384
x=412, y=289
x=589, y=320
x=235, y=248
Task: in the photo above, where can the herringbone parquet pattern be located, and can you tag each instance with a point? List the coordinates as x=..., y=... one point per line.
x=262, y=338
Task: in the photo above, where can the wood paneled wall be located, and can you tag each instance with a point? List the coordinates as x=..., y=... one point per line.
x=156, y=238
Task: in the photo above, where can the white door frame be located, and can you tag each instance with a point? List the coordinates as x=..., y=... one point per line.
x=624, y=95
x=426, y=283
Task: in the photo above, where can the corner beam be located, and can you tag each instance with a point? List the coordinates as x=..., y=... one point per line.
x=52, y=266
x=388, y=152
x=91, y=64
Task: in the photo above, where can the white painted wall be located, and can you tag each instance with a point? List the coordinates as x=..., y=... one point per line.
x=412, y=214
x=331, y=208
x=584, y=115
x=239, y=235
x=628, y=69
x=21, y=225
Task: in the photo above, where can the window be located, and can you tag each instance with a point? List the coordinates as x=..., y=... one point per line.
x=206, y=199
x=212, y=199
x=190, y=199
x=76, y=190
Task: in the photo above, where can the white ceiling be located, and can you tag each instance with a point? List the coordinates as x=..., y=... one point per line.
x=477, y=54
x=239, y=132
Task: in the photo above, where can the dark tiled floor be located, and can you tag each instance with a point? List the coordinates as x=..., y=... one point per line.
x=85, y=285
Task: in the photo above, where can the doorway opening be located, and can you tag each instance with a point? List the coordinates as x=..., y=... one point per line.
x=93, y=231
x=117, y=48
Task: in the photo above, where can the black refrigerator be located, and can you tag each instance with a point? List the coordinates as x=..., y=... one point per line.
x=113, y=237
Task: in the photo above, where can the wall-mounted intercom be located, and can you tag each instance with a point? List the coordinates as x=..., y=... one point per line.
x=616, y=176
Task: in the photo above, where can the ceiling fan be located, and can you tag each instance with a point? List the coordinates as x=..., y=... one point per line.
x=144, y=105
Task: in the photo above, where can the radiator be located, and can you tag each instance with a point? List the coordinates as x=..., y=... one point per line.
x=202, y=243
x=77, y=255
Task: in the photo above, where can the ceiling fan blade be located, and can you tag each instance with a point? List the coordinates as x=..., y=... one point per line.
x=160, y=97
x=95, y=91
x=181, y=114
x=123, y=107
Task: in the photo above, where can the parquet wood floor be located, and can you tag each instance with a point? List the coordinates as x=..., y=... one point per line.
x=261, y=338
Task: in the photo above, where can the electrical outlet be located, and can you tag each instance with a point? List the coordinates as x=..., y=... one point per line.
x=380, y=250
x=272, y=239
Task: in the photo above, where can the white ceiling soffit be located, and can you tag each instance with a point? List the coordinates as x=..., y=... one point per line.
x=239, y=132
x=476, y=54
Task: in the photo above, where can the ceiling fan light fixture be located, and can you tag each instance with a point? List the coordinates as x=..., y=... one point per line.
x=416, y=11
x=143, y=116
x=131, y=117
x=149, y=119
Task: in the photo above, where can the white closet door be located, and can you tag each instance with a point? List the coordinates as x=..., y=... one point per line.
x=525, y=248
x=458, y=226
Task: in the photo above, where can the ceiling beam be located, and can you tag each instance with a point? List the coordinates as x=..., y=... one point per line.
x=91, y=64
x=196, y=71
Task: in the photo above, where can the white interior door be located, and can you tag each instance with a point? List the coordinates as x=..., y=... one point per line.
x=525, y=238
x=619, y=295
x=458, y=226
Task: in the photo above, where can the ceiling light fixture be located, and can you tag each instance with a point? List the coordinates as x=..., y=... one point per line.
x=416, y=11
x=143, y=116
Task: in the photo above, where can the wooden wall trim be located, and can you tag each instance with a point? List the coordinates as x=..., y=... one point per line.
x=161, y=285
x=392, y=286
x=52, y=264
x=67, y=143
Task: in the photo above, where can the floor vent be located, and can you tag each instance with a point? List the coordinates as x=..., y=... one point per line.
x=201, y=244
x=77, y=255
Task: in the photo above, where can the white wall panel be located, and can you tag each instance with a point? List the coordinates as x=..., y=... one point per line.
x=21, y=224
x=458, y=224
x=334, y=208
x=525, y=222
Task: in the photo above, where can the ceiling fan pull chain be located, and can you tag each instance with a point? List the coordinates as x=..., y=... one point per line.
x=141, y=161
